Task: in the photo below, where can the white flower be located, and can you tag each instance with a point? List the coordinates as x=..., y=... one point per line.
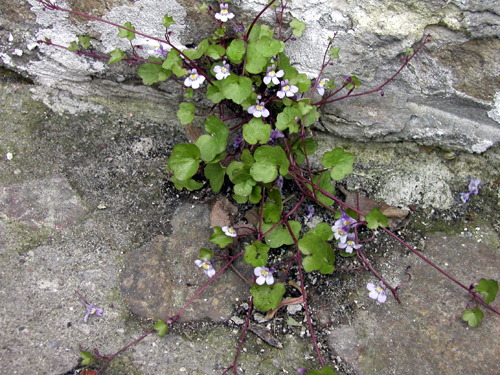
x=194, y=80
x=222, y=71
x=273, y=76
x=321, y=86
x=350, y=244
x=286, y=89
x=258, y=110
x=9, y=156
x=229, y=231
x=377, y=292
x=206, y=266
x=264, y=275
x=224, y=14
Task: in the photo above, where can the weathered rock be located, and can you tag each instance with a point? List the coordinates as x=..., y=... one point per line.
x=160, y=277
x=447, y=97
x=49, y=203
x=425, y=334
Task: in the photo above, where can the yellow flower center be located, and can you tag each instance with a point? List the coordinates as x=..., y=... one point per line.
x=259, y=107
x=205, y=266
x=193, y=77
x=224, y=11
x=286, y=88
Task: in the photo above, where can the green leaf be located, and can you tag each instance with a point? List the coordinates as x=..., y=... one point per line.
x=323, y=371
x=319, y=254
x=215, y=174
x=219, y=238
x=287, y=119
x=116, y=55
x=161, y=327
x=268, y=47
x=473, y=317
x=267, y=297
x=256, y=254
x=152, y=73
x=200, y=50
x=167, y=21
x=122, y=33
x=375, y=219
x=256, y=62
x=236, y=88
x=256, y=131
x=323, y=231
x=185, y=114
x=215, y=51
x=174, y=63
x=273, y=208
x=334, y=52
x=355, y=82
x=280, y=235
x=188, y=184
x=215, y=142
x=184, y=161
x=244, y=188
x=87, y=358
x=73, y=46
x=309, y=145
x=267, y=160
x=84, y=41
x=324, y=182
x=488, y=288
x=339, y=161
x=214, y=93
x=236, y=51
x=256, y=194
x=206, y=254
x=297, y=27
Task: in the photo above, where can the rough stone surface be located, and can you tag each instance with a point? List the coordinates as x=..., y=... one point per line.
x=447, y=98
x=425, y=334
x=103, y=177
x=161, y=276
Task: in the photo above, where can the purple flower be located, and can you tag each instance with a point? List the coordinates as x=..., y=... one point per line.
x=224, y=13
x=350, y=244
x=342, y=226
x=321, y=86
x=279, y=182
x=206, y=266
x=377, y=292
x=237, y=141
x=258, y=110
x=264, y=275
x=90, y=309
x=194, y=79
x=473, y=189
x=158, y=50
x=275, y=134
x=273, y=76
x=222, y=71
x=347, y=220
x=286, y=89
x=309, y=212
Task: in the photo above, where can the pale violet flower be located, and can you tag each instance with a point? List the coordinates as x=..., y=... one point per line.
x=264, y=275
x=347, y=220
x=224, y=13
x=206, y=266
x=222, y=71
x=286, y=89
x=473, y=189
x=158, y=50
x=321, y=86
x=309, y=212
x=194, y=80
x=258, y=110
x=229, y=231
x=90, y=309
x=377, y=292
x=273, y=76
x=350, y=244
x=340, y=231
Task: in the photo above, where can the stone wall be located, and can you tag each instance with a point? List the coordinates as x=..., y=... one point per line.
x=449, y=96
